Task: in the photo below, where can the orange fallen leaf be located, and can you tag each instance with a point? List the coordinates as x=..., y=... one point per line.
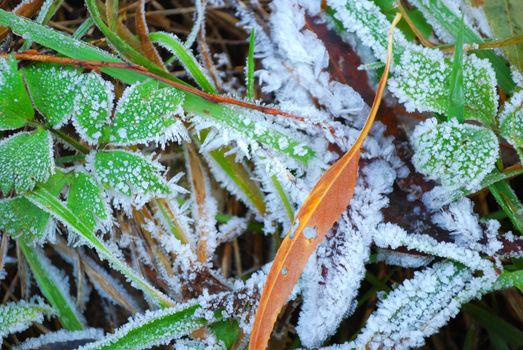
x=320, y=210
x=143, y=33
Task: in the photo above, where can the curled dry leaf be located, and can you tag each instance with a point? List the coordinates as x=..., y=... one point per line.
x=320, y=210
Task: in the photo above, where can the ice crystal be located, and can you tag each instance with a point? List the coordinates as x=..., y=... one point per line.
x=455, y=154
x=26, y=158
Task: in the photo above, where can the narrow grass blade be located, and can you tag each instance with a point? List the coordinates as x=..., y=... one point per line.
x=250, y=67
x=175, y=46
x=46, y=201
x=509, y=203
x=51, y=283
x=16, y=317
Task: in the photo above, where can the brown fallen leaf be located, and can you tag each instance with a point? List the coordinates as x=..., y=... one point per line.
x=320, y=210
x=143, y=33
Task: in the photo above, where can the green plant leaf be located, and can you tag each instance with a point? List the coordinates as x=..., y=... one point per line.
x=455, y=154
x=19, y=216
x=450, y=22
x=15, y=106
x=511, y=120
x=85, y=200
x=510, y=279
x=133, y=177
x=227, y=331
x=147, y=112
x=53, y=285
x=26, y=158
x=456, y=104
x=53, y=90
x=505, y=18
x=45, y=200
x=18, y=316
x=176, y=47
x=151, y=329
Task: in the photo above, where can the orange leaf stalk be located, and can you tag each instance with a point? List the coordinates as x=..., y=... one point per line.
x=320, y=210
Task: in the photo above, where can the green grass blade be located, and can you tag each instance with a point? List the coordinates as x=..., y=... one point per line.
x=83, y=28
x=153, y=328
x=46, y=201
x=289, y=210
x=48, y=279
x=250, y=67
x=16, y=317
x=456, y=105
x=176, y=47
x=495, y=324
x=509, y=202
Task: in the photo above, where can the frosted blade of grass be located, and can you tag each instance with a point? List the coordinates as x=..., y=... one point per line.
x=130, y=176
x=85, y=200
x=15, y=106
x=83, y=28
x=509, y=202
x=46, y=12
x=419, y=307
x=53, y=89
x=26, y=158
x=151, y=329
x=189, y=62
x=46, y=201
x=250, y=67
x=16, y=317
x=450, y=21
x=455, y=154
x=456, y=104
x=53, y=285
x=147, y=112
x=511, y=121
x=61, y=339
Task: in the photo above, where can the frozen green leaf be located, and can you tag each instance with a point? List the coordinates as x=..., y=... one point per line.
x=26, y=158
x=19, y=216
x=511, y=120
x=455, y=154
x=53, y=89
x=85, y=200
x=132, y=177
x=146, y=112
x=93, y=106
x=15, y=106
x=16, y=317
x=423, y=77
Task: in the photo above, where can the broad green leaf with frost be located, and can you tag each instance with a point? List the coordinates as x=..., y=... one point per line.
x=26, y=158
x=130, y=175
x=147, y=112
x=15, y=106
x=151, y=329
x=422, y=79
x=19, y=216
x=85, y=200
x=53, y=284
x=455, y=154
x=93, y=106
x=511, y=120
x=53, y=89
x=18, y=316
x=47, y=201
